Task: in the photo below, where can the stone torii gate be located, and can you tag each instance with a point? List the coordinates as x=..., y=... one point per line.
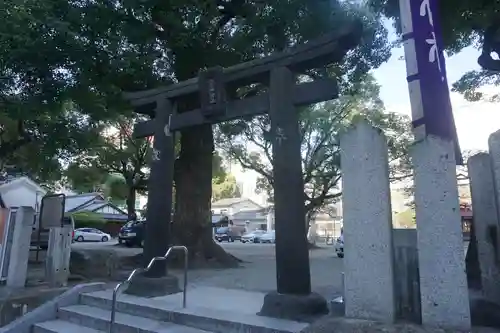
x=293, y=297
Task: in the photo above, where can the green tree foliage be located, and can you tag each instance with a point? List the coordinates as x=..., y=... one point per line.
x=405, y=219
x=62, y=67
x=464, y=23
x=116, y=189
x=320, y=128
x=243, y=30
x=87, y=52
x=120, y=163
x=223, y=183
x=225, y=187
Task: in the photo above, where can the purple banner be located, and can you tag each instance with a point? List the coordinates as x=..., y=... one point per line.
x=430, y=63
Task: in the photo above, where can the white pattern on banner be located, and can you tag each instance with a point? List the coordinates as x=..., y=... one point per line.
x=425, y=10
x=280, y=135
x=156, y=154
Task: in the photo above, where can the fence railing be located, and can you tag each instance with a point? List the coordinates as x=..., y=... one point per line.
x=122, y=286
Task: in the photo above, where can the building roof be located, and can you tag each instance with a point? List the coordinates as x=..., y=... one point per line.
x=76, y=202
x=92, y=206
x=9, y=182
x=91, y=202
x=228, y=202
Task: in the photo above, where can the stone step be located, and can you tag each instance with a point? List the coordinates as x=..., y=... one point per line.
x=61, y=326
x=204, y=318
x=99, y=319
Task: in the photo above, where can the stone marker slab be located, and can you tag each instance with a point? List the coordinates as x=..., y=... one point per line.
x=368, y=261
x=494, y=150
x=485, y=223
x=19, y=252
x=58, y=256
x=443, y=283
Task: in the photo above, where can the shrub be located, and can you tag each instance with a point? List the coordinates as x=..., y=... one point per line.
x=88, y=220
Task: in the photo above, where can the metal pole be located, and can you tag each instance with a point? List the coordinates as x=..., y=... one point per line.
x=342, y=299
x=126, y=283
x=184, y=290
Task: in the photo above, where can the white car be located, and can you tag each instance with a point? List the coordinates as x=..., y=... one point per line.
x=90, y=235
x=268, y=237
x=339, y=246
x=253, y=236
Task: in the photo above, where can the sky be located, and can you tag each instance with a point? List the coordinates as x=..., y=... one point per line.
x=475, y=121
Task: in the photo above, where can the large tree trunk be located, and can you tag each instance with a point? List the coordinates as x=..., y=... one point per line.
x=192, y=225
x=131, y=197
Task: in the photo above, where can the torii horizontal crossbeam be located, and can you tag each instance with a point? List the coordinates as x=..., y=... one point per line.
x=305, y=94
x=324, y=50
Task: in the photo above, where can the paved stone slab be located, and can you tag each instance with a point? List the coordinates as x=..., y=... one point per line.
x=241, y=301
x=125, y=323
x=229, y=311
x=61, y=326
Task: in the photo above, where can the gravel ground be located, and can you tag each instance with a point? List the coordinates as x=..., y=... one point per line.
x=258, y=272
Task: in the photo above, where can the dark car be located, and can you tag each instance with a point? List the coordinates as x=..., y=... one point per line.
x=132, y=233
x=227, y=234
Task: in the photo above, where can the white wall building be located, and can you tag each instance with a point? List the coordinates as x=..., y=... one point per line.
x=21, y=191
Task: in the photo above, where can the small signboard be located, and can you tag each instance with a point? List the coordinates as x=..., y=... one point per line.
x=212, y=92
x=52, y=211
x=9, y=218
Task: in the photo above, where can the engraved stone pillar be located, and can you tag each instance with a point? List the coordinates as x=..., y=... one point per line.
x=58, y=256
x=443, y=283
x=19, y=251
x=485, y=223
x=368, y=261
x=494, y=152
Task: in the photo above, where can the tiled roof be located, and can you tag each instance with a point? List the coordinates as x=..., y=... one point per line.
x=227, y=202
x=75, y=201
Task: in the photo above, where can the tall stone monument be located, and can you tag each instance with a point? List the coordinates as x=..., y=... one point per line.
x=443, y=283
x=486, y=223
x=368, y=262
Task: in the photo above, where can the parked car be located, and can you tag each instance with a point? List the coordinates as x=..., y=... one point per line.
x=40, y=237
x=132, y=233
x=228, y=234
x=268, y=237
x=339, y=246
x=252, y=236
x=90, y=235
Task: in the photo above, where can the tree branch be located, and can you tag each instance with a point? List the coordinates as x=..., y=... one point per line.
x=9, y=147
x=490, y=45
x=260, y=171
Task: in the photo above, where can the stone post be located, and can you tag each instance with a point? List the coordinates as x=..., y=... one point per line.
x=293, y=299
x=443, y=283
x=157, y=238
x=58, y=255
x=494, y=152
x=270, y=220
x=20, y=250
x=368, y=261
x=485, y=223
